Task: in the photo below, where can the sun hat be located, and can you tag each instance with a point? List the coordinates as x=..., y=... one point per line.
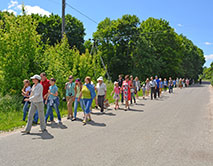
x=36, y=77
x=100, y=78
x=77, y=80
x=115, y=82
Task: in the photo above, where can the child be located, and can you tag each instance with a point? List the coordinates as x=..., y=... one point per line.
x=116, y=96
x=144, y=90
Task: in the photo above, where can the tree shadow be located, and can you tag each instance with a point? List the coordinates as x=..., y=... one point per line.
x=44, y=135
x=93, y=123
x=57, y=125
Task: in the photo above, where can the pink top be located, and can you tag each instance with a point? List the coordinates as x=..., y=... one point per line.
x=117, y=90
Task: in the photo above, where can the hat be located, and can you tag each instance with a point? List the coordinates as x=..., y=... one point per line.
x=115, y=82
x=100, y=78
x=77, y=80
x=36, y=77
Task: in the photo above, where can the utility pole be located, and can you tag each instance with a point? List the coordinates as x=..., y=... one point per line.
x=63, y=18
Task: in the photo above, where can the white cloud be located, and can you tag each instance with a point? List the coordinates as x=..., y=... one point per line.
x=180, y=25
x=12, y=4
x=209, y=57
x=15, y=7
x=208, y=43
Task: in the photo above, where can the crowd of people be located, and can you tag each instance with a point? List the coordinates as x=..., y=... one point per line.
x=44, y=92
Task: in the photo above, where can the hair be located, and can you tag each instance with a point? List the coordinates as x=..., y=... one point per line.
x=53, y=79
x=27, y=81
x=89, y=79
x=43, y=74
x=127, y=77
x=80, y=83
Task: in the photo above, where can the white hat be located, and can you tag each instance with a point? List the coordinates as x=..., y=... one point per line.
x=100, y=78
x=115, y=82
x=36, y=77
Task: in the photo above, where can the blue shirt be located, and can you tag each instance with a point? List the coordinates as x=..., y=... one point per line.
x=53, y=89
x=174, y=82
x=158, y=82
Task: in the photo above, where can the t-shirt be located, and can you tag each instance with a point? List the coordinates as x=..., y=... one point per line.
x=117, y=90
x=28, y=89
x=53, y=89
x=86, y=92
x=101, y=89
x=46, y=85
x=158, y=82
x=70, y=89
x=78, y=91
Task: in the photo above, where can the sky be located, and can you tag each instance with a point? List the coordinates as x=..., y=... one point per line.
x=192, y=18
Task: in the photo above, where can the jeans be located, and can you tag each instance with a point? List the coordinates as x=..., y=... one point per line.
x=87, y=104
x=76, y=106
x=170, y=89
x=133, y=97
x=25, y=110
x=158, y=92
x=153, y=92
x=50, y=111
x=101, y=102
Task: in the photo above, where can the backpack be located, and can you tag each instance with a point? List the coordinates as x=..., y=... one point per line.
x=92, y=90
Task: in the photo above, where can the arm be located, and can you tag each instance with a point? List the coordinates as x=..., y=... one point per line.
x=37, y=93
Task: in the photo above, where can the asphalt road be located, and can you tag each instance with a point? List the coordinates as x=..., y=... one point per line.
x=175, y=130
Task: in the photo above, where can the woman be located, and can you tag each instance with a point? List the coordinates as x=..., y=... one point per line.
x=161, y=85
x=126, y=92
x=138, y=86
x=147, y=87
x=88, y=94
x=165, y=84
x=132, y=89
x=52, y=100
x=36, y=99
x=78, y=88
x=101, y=92
x=70, y=96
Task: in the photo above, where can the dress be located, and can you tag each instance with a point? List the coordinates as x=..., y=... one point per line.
x=126, y=91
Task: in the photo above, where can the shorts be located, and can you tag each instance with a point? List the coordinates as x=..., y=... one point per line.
x=116, y=97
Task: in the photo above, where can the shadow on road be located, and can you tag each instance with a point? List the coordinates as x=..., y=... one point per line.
x=104, y=113
x=57, y=125
x=45, y=135
x=93, y=123
x=133, y=110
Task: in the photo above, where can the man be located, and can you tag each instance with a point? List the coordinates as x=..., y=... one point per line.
x=120, y=83
x=153, y=86
x=158, y=86
x=46, y=84
x=170, y=85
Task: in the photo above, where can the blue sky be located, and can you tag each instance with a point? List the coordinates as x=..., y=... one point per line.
x=193, y=18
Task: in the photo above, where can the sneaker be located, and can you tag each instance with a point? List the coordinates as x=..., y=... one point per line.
x=73, y=119
x=89, y=120
x=59, y=121
x=45, y=130
x=25, y=132
x=125, y=109
x=84, y=122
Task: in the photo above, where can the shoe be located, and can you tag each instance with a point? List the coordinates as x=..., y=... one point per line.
x=84, y=122
x=73, y=119
x=68, y=117
x=25, y=132
x=45, y=130
x=59, y=121
x=96, y=107
x=89, y=120
x=125, y=109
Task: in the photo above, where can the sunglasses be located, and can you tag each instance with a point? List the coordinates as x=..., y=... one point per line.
x=70, y=78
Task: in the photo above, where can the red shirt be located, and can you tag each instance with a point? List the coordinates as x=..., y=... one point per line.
x=46, y=85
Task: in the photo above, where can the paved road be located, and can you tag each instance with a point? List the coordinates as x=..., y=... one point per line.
x=175, y=130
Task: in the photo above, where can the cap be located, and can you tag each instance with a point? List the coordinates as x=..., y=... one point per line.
x=36, y=77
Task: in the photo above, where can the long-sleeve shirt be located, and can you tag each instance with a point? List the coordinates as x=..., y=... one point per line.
x=152, y=83
x=36, y=93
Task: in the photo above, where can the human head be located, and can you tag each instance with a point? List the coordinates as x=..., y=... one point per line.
x=77, y=81
x=136, y=78
x=52, y=81
x=36, y=78
x=127, y=77
x=164, y=79
x=43, y=76
x=156, y=77
x=70, y=78
x=100, y=79
x=147, y=80
x=131, y=77
x=116, y=83
x=26, y=82
x=88, y=80
x=120, y=77
x=151, y=78
x=160, y=79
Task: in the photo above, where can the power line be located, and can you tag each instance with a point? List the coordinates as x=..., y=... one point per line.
x=81, y=13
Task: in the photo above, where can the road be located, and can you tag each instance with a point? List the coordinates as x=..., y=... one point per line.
x=175, y=130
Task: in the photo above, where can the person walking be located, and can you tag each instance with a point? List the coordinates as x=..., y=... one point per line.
x=37, y=103
x=138, y=86
x=153, y=86
x=157, y=90
x=126, y=91
x=120, y=83
x=170, y=85
x=180, y=83
x=160, y=86
x=26, y=93
x=165, y=84
x=177, y=82
x=70, y=96
x=101, y=92
x=52, y=100
x=132, y=89
x=88, y=94
x=78, y=88
x=144, y=91
x=147, y=87
x=116, y=96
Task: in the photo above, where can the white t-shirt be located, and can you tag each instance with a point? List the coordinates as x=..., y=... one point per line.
x=101, y=89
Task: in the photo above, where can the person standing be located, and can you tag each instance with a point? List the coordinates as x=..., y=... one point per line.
x=147, y=87
x=37, y=103
x=165, y=84
x=158, y=86
x=78, y=88
x=153, y=86
x=101, y=92
x=138, y=86
x=70, y=96
x=170, y=85
x=88, y=94
x=126, y=92
x=132, y=89
x=52, y=100
x=120, y=83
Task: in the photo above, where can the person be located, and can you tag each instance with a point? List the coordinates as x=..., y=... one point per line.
x=52, y=100
x=165, y=84
x=144, y=91
x=180, y=83
x=78, y=88
x=138, y=86
x=126, y=92
x=174, y=83
x=153, y=86
x=157, y=90
x=170, y=85
x=132, y=89
x=147, y=87
x=88, y=94
x=46, y=84
x=177, y=82
x=116, y=96
x=26, y=93
x=187, y=82
x=101, y=92
x=37, y=103
x=183, y=82
x=120, y=83
x=160, y=86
